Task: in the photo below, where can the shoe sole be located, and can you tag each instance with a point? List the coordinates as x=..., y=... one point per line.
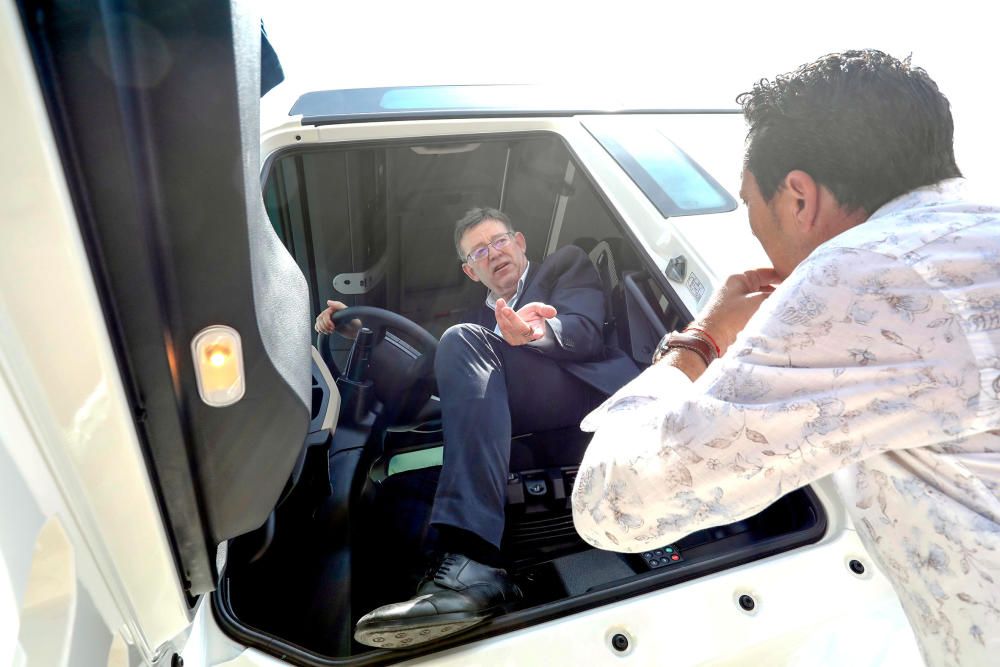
x=420, y=631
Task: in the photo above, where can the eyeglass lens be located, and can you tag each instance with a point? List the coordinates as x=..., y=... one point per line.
x=497, y=244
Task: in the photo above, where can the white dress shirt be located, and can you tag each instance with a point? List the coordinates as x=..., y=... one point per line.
x=491, y=298
x=876, y=361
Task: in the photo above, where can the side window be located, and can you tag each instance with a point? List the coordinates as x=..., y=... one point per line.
x=673, y=182
x=327, y=209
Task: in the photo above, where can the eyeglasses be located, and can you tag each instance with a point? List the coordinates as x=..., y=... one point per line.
x=482, y=252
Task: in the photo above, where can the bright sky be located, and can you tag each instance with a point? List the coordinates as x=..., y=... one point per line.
x=692, y=53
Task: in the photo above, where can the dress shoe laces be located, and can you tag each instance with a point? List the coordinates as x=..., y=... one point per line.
x=442, y=569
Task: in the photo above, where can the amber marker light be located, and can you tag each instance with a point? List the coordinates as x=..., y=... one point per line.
x=218, y=356
x=218, y=364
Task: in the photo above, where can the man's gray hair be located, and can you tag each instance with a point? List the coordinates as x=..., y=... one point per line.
x=478, y=216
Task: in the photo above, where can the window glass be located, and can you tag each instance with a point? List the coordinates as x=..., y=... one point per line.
x=674, y=182
x=446, y=97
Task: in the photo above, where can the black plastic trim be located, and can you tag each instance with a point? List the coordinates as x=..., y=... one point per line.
x=318, y=121
x=469, y=101
x=655, y=320
x=283, y=213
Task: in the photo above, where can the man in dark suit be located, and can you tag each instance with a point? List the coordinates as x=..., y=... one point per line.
x=530, y=358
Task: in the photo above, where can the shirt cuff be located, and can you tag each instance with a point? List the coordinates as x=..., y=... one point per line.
x=660, y=382
x=552, y=338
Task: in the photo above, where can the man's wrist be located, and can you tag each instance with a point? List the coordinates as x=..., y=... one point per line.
x=687, y=361
x=701, y=331
x=721, y=336
x=691, y=341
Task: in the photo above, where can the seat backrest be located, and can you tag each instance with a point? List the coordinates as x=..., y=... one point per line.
x=433, y=290
x=606, y=255
x=604, y=261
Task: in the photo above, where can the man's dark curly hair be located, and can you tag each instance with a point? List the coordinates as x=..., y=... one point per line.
x=867, y=126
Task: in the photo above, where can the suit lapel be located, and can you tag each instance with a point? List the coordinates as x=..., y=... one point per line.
x=527, y=296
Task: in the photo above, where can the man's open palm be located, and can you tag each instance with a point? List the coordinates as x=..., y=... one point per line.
x=525, y=325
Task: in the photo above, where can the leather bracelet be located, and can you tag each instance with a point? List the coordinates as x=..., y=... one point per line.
x=685, y=341
x=708, y=336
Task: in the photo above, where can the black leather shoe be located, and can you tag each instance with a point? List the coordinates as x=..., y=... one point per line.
x=460, y=594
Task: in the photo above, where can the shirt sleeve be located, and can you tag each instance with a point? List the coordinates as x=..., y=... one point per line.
x=852, y=356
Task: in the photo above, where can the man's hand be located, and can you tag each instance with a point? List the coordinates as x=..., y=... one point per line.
x=324, y=323
x=525, y=325
x=733, y=304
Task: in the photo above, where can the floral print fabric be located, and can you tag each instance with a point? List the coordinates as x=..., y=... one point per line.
x=876, y=361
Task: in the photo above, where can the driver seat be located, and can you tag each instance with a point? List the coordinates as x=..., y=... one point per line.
x=428, y=419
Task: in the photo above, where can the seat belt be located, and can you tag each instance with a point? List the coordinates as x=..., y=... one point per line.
x=559, y=213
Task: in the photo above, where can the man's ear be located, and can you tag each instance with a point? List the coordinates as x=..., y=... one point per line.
x=801, y=197
x=469, y=272
x=521, y=242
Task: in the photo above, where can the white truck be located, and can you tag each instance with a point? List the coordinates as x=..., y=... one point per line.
x=187, y=478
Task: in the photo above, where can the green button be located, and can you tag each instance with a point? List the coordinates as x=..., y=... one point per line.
x=669, y=550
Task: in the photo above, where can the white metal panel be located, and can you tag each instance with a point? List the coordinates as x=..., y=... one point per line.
x=811, y=610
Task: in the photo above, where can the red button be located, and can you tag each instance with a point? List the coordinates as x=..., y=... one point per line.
x=675, y=557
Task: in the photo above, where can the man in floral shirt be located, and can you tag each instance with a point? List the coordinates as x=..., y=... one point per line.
x=870, y=351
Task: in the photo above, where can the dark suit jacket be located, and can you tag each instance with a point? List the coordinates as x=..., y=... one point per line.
x=568, y=280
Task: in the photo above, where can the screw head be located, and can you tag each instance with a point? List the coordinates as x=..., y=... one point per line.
x=619, y=642
x=177, y=660
x=857, y=567
x=747, y=603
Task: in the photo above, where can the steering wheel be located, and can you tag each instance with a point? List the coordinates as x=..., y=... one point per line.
x=402, y=364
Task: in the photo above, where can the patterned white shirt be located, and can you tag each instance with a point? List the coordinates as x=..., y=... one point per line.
x=876, y=361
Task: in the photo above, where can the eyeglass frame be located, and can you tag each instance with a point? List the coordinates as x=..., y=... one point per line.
x=508, y=235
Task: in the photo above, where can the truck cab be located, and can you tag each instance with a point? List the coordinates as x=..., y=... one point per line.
x=187, y=474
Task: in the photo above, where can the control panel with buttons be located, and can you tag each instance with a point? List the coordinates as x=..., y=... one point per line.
x=662, y=556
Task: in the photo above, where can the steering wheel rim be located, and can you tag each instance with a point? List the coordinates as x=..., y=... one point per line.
x=378, y=320
x=404, y=391
x=386, y=319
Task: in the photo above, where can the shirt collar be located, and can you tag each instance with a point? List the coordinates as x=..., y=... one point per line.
x=491, y=298
x=950, y=189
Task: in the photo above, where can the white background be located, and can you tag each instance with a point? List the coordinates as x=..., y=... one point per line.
x=689, y=54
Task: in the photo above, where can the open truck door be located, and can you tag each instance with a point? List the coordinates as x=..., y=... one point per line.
x=137, y=258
